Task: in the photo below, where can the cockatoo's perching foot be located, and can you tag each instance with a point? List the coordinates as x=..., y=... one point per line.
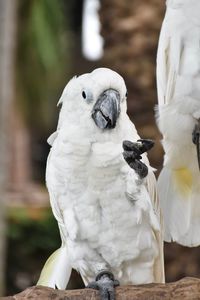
x=132, y=155
x=105, y=283
x=196, y=140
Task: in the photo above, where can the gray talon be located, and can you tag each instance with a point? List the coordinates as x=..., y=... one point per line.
x=141, y=146
x=132, y=155
x=105, y=283
x=147, y=144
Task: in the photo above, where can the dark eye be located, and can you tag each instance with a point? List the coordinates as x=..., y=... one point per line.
x=84, y=94
x=126, y=94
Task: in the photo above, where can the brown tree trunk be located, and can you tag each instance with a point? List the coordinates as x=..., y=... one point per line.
x=20, y=169
x=130, y=30
x=7, y=50
x=185, y=289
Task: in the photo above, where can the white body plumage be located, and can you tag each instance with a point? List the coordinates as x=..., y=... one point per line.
x=178, y=82
x=108, y=217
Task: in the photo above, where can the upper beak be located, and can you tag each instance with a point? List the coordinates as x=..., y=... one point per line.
x=107, y=109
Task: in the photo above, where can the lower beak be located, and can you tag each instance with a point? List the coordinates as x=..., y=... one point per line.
x=107, y=109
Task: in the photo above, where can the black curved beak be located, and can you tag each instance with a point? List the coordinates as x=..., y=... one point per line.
x=107, y=109
x=196, y=140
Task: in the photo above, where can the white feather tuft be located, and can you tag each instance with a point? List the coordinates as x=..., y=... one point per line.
x=52, y=138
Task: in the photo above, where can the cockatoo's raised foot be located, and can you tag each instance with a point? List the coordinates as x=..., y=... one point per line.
x=132, y=155
x=196, y=140
x=105, y=283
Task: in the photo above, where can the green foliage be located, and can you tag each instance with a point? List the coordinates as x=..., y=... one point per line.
x=44, y=231
x=43, y=58
x=46, y=22
x=30, y=243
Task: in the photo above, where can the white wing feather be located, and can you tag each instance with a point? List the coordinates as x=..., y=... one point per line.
x=57, y=269
x=178, y=73
x=159, y=271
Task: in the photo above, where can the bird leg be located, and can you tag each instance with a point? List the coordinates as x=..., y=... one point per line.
x=196, y=140
x=132, y=155
x=105, y=283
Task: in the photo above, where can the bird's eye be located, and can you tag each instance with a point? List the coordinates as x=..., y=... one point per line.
x=126, y=95
x=87, y=96
x=84, y=94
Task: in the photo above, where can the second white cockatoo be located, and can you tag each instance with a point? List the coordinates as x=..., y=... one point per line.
x=103, y=197
x=178, y=83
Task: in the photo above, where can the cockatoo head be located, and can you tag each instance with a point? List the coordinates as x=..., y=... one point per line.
x=96, y=99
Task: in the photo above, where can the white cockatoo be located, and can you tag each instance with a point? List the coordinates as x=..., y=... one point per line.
x=107, y=211
x=178, y=83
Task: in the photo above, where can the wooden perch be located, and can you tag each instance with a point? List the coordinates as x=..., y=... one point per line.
x=185, y=289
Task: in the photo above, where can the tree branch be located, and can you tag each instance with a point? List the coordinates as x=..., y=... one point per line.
x=185, y=289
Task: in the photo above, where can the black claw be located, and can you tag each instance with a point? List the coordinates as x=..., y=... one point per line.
x=132, y=155
x=138, y=147
x=140, y=168
x=147, y=144
x=130, y=146
x=196, y=133
x=105, y=283
x=116, y=282
x=196, y=140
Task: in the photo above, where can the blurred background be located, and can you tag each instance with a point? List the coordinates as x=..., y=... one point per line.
x=43, y=43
